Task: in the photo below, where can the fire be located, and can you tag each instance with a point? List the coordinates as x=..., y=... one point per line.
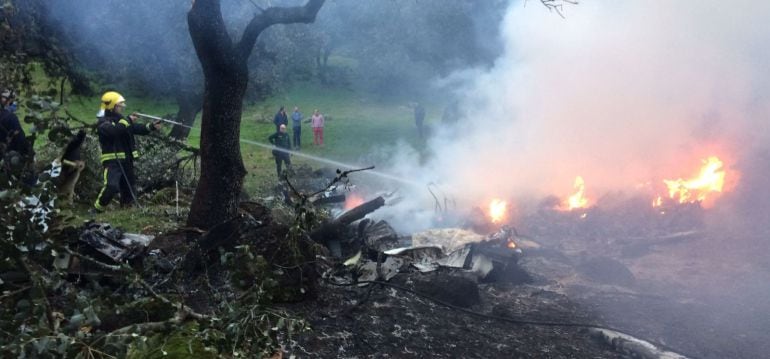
x=711, y=179
x=657, y=202
x=353, y=201
x=511, y=245
x=497, y=209
x=577, y=200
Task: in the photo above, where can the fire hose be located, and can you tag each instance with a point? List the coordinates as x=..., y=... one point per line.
x=161, y=119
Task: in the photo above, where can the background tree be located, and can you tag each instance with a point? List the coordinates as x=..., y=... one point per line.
x=396, y=47
x=147, y=51
x=151, y=55
x=27, y=38
x=225, y=68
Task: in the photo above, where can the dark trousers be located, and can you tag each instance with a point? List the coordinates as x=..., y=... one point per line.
x=280, y=158
x=297, y=136
x=118, y=177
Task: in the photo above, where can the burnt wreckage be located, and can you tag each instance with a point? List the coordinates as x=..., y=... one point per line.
x=478, y=290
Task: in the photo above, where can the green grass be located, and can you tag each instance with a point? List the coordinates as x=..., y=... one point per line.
x=150, y=219
x=356, y=125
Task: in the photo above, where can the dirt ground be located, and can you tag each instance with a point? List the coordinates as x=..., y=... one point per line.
x=692, y=290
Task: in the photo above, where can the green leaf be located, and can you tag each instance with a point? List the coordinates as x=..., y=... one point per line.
x=91, y=316
x=41, y=345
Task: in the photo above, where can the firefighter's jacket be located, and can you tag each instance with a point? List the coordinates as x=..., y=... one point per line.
x=12, y=134
x=116, y=137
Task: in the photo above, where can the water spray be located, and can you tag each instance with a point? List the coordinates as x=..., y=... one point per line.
x=295, y=153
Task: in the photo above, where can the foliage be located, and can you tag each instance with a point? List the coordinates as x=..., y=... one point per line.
x=28, y=38
x=47, y=312
x=165, y=163
x=253, y=328
x=184, y=342
x=284, y=55
x=400, y=46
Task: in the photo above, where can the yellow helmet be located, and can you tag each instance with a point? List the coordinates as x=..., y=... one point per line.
x=110, y=99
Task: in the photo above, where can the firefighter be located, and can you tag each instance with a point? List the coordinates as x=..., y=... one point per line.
x=12, y=134
x=116, y=139
x=15, y=147
x=281, y=140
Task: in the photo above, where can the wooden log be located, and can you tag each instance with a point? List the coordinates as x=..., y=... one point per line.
x=359, y=212
x=333, y=229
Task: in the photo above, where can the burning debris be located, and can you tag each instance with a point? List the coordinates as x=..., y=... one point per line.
x=464, y=250
x=497, y=210
x=578, y=199
x=458, y=267
x=699, y=189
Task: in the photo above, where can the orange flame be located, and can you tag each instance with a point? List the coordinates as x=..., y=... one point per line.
x=711, y=179
x=497, y=209
x=353, y=201
x=577, y=200
x=511, y=245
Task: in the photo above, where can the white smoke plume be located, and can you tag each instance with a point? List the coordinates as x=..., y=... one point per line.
x=623, y=93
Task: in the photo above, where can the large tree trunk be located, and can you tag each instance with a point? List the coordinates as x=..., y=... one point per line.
x=222, y=170
x=189, y=106
x=225, y=70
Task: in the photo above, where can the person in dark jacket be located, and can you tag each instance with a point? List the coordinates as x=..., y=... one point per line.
x=15, y=147
x=282, y=142
x=296, y=126
x=12, y=136
x=280, y=119
x=116, y=139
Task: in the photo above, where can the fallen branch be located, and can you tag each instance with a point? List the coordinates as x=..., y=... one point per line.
x=18, y=291
x=188, y=312
x=84, y=123
x=359, y=212
x=333, y=229
x=100, y=264
x=166, y=325
x=341, y=175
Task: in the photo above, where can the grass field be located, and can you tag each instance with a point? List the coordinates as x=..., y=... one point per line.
x=356, y=125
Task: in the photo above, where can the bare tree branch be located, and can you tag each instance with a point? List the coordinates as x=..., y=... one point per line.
x=276, y=15
x=557, y=5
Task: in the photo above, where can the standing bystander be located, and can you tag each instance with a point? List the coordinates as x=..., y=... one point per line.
x=280, y=119
x=280, y=139
x=317, y=122
x=296, y=126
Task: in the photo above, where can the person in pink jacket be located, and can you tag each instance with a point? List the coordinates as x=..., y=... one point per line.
x=317, y=122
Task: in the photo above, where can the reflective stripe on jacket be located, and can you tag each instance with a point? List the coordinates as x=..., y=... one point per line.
x=116, y=137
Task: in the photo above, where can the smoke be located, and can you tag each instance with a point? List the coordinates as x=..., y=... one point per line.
x=142, y=44
x=623, y=94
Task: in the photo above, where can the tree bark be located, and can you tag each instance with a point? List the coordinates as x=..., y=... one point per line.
x=225, y=70
x=190, y=104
